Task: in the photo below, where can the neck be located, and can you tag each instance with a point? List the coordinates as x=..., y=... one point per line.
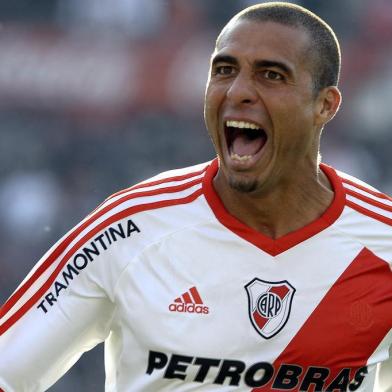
x=282, y=210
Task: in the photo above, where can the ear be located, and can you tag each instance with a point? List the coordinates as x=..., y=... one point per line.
x=327, y=104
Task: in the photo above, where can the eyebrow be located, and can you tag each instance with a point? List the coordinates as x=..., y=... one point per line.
x=272, y=63
x=225, y=58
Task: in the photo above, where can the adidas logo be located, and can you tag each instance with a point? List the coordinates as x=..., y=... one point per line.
x=189, y=302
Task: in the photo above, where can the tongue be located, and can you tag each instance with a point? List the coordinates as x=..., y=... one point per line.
x=242, y=145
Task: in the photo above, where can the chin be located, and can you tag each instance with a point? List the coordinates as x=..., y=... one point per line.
x=243, y=185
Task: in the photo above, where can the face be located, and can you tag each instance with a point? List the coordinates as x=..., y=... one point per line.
x=260, y=108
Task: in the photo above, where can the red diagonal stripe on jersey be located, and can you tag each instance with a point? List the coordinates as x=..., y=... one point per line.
x=65, y=243
x=368, y=190
x=196, y=296
x=178, y=300
x=348, y=324
x=368, y=200
x=46, y=286
x=187, y=298
x=369, y=213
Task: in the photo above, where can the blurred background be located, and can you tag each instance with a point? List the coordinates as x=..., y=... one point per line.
x=97, y=95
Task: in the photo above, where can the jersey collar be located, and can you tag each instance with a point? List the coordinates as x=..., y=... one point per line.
x=281, y=244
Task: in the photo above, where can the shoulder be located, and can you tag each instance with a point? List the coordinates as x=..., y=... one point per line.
x=367, y=215
x=168, y=178
x=358, y=195
x=355, y=184
x=151, y=202
x=367, y=199
x=168, y=185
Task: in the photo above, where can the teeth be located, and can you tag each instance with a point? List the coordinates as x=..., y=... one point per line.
x=240, y=158
x=241, y=124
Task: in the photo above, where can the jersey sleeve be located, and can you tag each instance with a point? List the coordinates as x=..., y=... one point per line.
x=40, y=348
x=65, y=306
x=69, y=301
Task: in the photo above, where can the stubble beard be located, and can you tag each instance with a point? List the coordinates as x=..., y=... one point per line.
x=243, y=186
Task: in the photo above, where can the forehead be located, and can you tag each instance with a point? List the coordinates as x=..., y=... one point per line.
x=264, y=40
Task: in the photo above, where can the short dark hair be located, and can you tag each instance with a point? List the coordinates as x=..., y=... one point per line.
x=324, y=46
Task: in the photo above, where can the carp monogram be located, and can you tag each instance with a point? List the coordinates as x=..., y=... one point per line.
x=269, y=305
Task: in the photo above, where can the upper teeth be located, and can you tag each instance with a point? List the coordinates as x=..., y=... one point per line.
x=241, y=124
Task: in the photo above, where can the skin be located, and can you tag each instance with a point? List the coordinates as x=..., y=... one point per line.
x=261, y=73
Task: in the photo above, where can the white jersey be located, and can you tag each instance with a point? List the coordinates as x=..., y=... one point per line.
x=188, y=298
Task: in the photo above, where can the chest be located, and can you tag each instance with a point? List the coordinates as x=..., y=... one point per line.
x=206, y=307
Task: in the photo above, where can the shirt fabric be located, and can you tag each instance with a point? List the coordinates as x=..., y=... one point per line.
x=188, y=298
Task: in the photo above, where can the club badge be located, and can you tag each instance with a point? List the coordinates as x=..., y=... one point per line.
x=269, y=305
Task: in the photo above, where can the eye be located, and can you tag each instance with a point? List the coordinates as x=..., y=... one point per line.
x=224, y=70
x=272, y=75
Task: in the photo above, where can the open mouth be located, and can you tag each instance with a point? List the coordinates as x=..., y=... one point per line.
x=244, y=139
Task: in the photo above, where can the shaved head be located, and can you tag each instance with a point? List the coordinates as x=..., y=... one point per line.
x=323, y=51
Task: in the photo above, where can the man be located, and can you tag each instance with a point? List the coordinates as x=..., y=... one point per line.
x=262, y=270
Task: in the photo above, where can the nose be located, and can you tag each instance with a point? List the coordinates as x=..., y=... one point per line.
x=242, y=90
